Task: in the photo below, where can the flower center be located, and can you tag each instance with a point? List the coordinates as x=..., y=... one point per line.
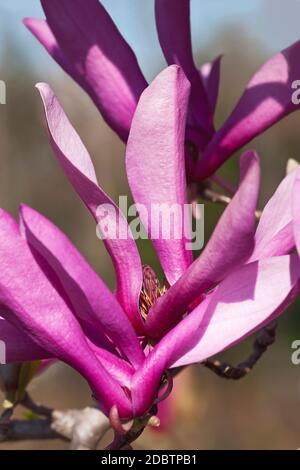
x=151, y=290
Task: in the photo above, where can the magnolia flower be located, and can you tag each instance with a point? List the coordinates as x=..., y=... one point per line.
x=53, y=305
x=85, y=42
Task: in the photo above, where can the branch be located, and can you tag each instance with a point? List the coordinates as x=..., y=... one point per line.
x=40, y=410
x=82, y=428
x=20, y=430
x=209, y=195
x=85, y=428
x=265, y=338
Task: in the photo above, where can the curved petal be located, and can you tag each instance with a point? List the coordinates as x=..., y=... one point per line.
x=119, y=369
x=230, y=245
x=210, y=73
x=18, y=346
x=41, y=30
x=156, y=168
x=30, y=302
x=244, y=302
x=77, y=164
x=274, y=235
x=295, y=210
x=266, y=100
x=173, y=27
x=97, y=56
x=90, y=298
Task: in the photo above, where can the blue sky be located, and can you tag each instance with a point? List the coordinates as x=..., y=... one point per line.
x=273, y=22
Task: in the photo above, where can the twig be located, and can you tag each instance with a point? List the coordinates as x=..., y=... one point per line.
x=209, y=195
x=19, y=430
x=264, y=339
x=82, y=428
x=40, y=410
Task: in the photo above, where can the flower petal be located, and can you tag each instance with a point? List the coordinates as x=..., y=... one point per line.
x=79, y=169
x=19, y=347
x=156, y=168
x=41, y=30
x=266, y=100
x=173, y=27
x=210, y=73
x=274, y=235
x=90, y=298
x=295, y=210
x=230, y=244
x=97, y=56
x=30, y=302
x=245, y=301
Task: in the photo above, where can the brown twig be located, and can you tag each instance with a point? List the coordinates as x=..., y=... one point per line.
x=264, y=339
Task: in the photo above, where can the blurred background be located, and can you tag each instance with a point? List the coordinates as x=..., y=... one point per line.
x=206, y=412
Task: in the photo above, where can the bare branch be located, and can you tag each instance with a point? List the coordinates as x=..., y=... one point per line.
x=82, y=428
x=209, y=195
x=40, y=410
x=19, y=430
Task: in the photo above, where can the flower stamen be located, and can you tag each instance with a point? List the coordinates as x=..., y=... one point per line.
x=151, y=290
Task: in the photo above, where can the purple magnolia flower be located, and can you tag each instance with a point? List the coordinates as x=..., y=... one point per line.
x=82, y=38
x=53, y=305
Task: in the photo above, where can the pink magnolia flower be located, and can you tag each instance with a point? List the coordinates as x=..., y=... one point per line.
x=53, y=305
x=85, y=42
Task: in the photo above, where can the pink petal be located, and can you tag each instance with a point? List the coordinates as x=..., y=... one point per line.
x=266, y=100
x=97, y=56
x=119, y=369
x=210, y=73
x=156, y=169
x=274, y=235
x=230, y=244
x=29, y=301
x=90, y=298
x=173, y=27
x=79, y=169
x=19, y=347
x=244, y=302
x=295, y=210
x=41, y=30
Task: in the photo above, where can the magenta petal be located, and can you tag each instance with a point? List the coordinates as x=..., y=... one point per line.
x=295, y=210
x=274, y=235
x=79, y=168
x=155, y=164
x=266, y=100
x=210, y=73
x=90, y=298
x=173, y=27
x=19, y=347
x=29, y=301
x=230, y=244
x=119, y=369
x=97, y=56
x=41, y=30
x=244, y=302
